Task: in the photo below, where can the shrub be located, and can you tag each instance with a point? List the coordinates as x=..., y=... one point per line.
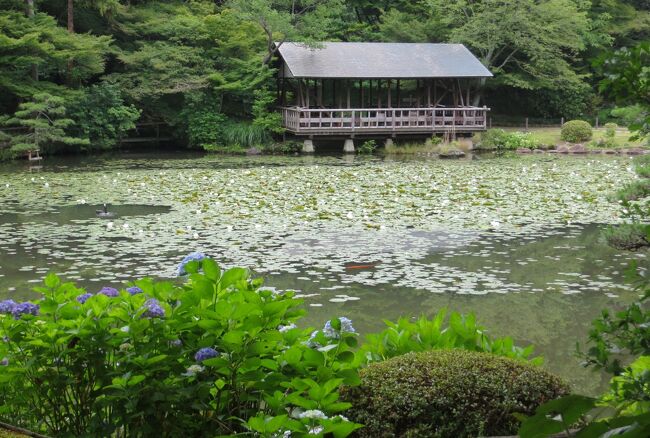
x=367, y=147
x=217, y=355
x=500, y=139
x=627, y=236
x=610, y=130
x=445, y=393
x=461, y=331
x=286, y=147
x=635, y=190
x=576, y=131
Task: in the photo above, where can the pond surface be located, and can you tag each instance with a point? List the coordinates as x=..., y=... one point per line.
x=516, y=240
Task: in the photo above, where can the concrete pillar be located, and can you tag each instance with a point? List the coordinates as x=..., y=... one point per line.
x=388, y=143
x=348, y=146
x=307, y=146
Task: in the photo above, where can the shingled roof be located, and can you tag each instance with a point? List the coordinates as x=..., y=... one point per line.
x=381, y=61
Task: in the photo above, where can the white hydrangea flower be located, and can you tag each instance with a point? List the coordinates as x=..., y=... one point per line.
x=313, y=414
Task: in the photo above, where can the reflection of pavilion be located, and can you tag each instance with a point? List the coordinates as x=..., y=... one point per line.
x=379, y=89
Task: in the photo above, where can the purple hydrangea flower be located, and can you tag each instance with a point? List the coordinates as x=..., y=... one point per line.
x=84, y=297
x=195, y=256
x=109, y=292
x=154, y=309
x=4, y=362
x=25, y=308
x=205, y=353
x=332, y=333
x=176, y=343
x=7, y=306
x=134, y=290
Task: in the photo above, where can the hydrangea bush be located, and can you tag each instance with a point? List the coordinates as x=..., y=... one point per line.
x=216, y=355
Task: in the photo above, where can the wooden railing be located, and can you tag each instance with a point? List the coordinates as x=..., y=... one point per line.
x=383, y=120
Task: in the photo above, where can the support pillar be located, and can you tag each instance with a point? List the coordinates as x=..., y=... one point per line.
x=308, y=146
x=388, y=143
x=348, y=146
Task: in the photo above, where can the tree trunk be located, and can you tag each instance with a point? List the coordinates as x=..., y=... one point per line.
x=29, y=12
x=479, y=92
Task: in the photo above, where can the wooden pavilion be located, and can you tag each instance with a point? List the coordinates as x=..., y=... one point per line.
x=378, y=89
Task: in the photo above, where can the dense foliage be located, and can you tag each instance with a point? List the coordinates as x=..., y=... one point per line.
x=216, y=355
x=507, y=140
x=460, y=331
x=205, y=69
x=445, y=393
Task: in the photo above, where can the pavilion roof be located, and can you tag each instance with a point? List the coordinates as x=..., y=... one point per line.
x=380, y=61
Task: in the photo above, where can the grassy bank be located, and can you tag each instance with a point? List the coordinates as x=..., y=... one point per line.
x=551, y=136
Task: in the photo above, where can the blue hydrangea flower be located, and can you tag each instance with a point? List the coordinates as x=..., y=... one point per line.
x=109, y=292
x=134, y=290
x=84, y=297
x=332, y=333
x=286, y=328
x=7, y=306
x=153, y=309
x=195, y=256
x=25, y=308
x=205, y=353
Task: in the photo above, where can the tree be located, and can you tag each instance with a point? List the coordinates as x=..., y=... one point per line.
x=627, y=79
x=101, y=116
x=525, y=43
x=307, y=21
x=44, y=123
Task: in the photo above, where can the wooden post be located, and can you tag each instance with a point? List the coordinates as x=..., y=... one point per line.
x=596, y=122
x=319, y=94
x=360, y=94
x=307, y=93
x=389, y=103
x=562, y=121
x=378, y=93
x=370, y=93
x=333, y=93
x=428, y=93
x=300, y=96
x=399, y=97
x=526, y=123
x=347, y=90
x=417, y=92
x=435, y=93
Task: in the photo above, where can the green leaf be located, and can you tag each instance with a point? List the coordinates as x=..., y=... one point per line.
x=51, y=280
x=570, y=407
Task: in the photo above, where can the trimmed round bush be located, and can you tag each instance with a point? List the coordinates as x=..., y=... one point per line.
x=443, y=393
x=576, y=131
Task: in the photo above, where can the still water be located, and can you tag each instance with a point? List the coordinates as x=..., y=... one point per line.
x=516, y=240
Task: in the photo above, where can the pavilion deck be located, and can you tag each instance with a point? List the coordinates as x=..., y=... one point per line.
x=350, y=121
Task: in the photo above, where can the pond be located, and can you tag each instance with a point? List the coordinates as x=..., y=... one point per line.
x=514, y=239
